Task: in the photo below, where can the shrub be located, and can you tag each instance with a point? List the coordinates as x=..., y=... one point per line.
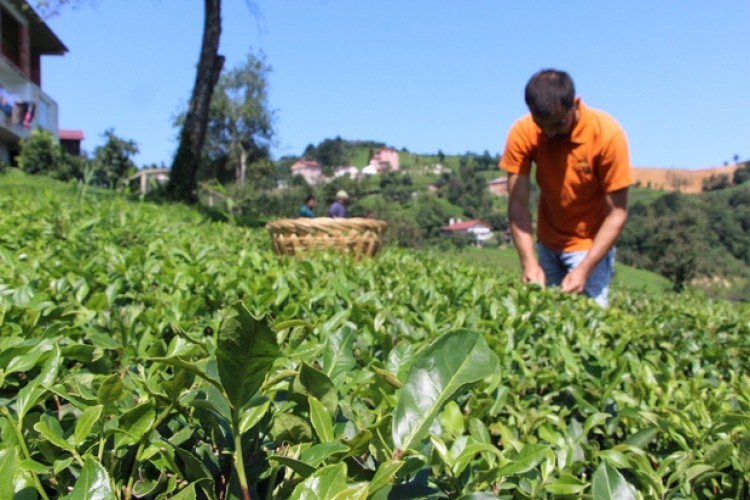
x=41, y=153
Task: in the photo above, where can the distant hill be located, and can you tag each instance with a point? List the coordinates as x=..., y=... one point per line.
x=683, y=180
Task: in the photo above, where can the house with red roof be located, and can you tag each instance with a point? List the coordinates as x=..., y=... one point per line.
x=24, y=106
x=70, y=140
x=385, y=160
x=310, y=170
x=480, y=231
x=499, y=186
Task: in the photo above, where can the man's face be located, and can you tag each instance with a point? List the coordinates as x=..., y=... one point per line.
x=558, y=126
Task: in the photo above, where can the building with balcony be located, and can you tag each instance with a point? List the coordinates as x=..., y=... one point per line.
x=24, y=39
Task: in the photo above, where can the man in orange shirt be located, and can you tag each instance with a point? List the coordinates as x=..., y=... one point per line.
x=583, y=172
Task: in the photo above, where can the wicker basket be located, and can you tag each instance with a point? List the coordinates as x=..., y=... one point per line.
x=356, y=236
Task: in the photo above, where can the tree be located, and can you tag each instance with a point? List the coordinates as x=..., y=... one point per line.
x=41, y=153
x=716, y=182
x=432, y=214
x=183, y=180
x=742, y=174
x=240, y=127
x=113, y=161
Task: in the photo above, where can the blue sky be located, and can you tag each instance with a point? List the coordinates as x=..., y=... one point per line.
x=425, y=75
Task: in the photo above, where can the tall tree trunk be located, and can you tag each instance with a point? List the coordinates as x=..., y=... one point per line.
x=183, y=180
x=243, y=165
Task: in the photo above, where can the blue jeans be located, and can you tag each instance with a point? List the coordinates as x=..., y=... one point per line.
x=557, y=264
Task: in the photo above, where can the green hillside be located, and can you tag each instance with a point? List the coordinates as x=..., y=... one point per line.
x=147, y=352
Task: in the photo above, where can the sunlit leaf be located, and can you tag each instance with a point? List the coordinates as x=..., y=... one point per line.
x=457, y=358
x=246, y=350
x=94, y=482
x=608, y=484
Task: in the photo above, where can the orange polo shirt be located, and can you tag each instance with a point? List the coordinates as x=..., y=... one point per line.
x=573, y=175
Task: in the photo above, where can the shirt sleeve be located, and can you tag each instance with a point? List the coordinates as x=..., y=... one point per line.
x=519, y=149
x=614, y=166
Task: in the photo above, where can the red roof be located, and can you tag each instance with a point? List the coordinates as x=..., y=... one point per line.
x=70, y=135
x=462, y=226
x=499, y=180
x=303, y=163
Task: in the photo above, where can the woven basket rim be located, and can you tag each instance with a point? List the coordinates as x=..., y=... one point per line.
x=357, y=236
x=325, y=224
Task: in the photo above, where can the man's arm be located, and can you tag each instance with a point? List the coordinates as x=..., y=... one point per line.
x=519, y=190
x=617, y=214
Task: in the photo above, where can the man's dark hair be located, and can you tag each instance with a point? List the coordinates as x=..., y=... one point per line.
x=309, y=198
x=549, y=89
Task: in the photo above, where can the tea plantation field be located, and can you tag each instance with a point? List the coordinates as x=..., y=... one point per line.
x=148, y=353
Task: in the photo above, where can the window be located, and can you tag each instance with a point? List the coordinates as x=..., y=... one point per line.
x=10, y=31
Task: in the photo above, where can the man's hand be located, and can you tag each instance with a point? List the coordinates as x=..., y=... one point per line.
x=574, y=281
x=533, y=273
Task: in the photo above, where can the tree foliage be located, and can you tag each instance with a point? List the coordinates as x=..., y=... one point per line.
x=742, y=174
x=685, y=237
x=240, y=128
x=113, y=161
x=42, y=154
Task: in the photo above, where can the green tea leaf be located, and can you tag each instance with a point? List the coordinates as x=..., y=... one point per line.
x=718, y=452
x=291, y=428
x=312, y=382
x=457, y=358
x=252, y=416
x=384, y=475
x=8, y=469
x=318, y=453
x=94, y=482
x=189, y=366
x=387, y=377
x=85, y=423
x=298, y=466
x=642, y=438
x=352, y=492
x=324, y=483
x=608, y=484
x=527, y=459
x=48, y=433
x=321, y=420
x=246, y=351
x=187, y=493
x=566, y=485
x=136, y=422
x=110, y=392
x=338, y=359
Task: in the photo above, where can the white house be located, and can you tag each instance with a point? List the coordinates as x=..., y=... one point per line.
x=351, y=171
x=481, y=231
x=23, y=104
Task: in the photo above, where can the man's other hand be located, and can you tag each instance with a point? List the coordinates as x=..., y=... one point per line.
x=574, y=281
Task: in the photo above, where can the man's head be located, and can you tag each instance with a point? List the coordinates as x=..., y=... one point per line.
x=310, y=201
x=551, y=98
x=342, y=196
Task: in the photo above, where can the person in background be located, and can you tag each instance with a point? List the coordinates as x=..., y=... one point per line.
x=338, y=207
x=583, y=172
x=306, y=210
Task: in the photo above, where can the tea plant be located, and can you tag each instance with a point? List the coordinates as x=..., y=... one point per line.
x=148, y=353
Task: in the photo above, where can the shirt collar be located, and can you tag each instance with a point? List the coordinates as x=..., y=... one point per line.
x=580, y=129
